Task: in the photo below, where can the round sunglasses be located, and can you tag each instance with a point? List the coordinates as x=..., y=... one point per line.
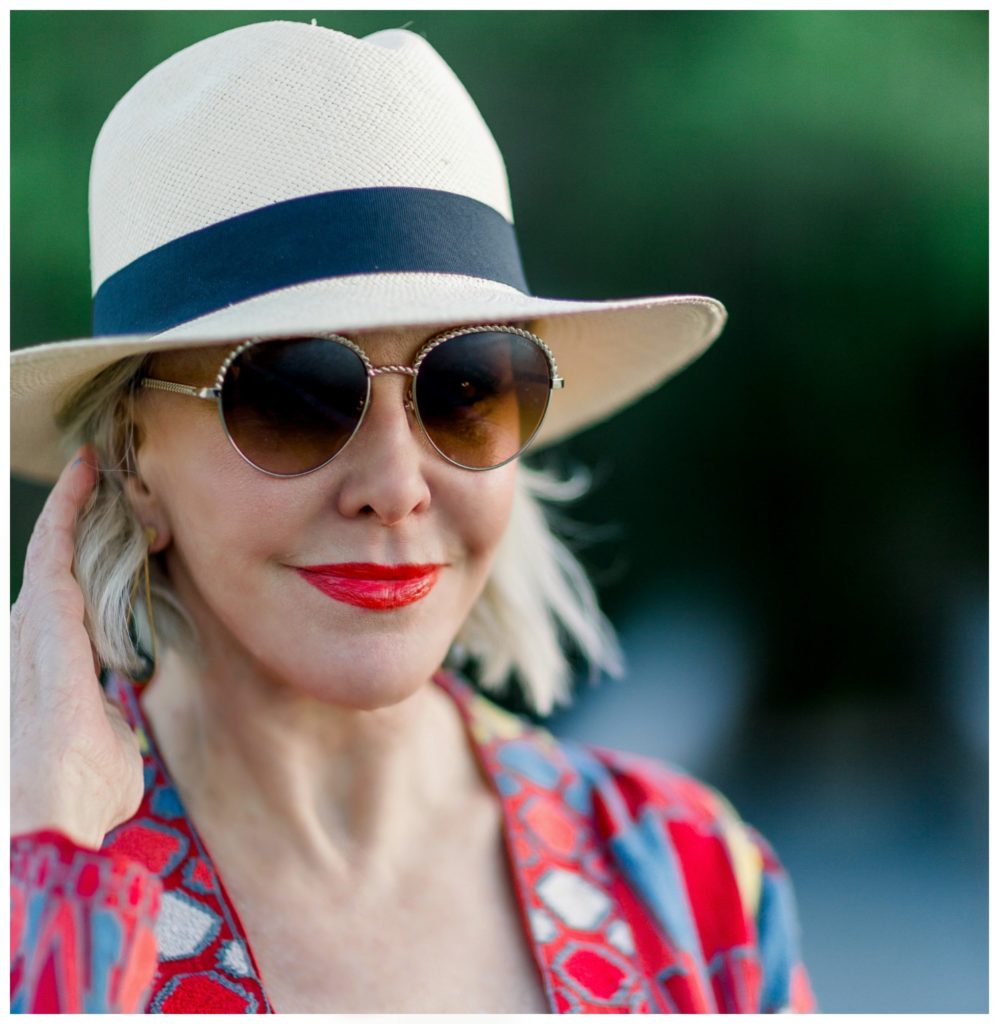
x=289, y=406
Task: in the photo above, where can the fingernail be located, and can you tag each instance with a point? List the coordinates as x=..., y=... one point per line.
x=77, y=460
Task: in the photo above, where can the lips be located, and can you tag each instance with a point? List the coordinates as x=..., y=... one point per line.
x=373, y=586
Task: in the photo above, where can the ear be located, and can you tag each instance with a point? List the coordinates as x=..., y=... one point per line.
x=148, y=510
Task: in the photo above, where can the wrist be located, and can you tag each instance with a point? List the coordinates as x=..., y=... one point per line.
x=36, y=812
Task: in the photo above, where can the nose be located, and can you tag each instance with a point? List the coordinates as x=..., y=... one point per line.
x=383, y=466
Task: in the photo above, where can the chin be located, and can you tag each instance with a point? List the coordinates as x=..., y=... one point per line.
x=368, y=691
x=365, y=673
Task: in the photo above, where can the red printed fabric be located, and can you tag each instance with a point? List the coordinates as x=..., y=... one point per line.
x=640, y=891
x=81, y=928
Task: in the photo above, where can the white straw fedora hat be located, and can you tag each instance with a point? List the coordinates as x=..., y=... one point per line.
x=282, y=179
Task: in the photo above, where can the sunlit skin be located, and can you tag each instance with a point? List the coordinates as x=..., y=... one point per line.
x=318, y=713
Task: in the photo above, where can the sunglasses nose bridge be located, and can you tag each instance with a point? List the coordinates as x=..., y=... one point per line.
x=404, y=371
x=377, y=371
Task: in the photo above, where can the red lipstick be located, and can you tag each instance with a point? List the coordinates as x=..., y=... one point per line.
x=369, y=585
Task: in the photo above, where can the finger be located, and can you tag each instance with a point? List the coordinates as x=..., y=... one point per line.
x=52, y=541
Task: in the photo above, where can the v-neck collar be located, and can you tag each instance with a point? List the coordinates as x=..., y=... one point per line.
x=568, y=889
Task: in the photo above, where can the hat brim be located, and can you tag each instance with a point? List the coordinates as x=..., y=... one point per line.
x=609, y=353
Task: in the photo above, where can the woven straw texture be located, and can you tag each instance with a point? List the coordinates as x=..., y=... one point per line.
x=268, y=112
x=278, y=110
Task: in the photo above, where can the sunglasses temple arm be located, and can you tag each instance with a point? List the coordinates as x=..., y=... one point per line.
x=210, y=394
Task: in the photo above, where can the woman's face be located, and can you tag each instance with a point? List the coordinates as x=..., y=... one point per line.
x=236, y=539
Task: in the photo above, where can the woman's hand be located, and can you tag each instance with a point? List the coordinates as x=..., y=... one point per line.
x=75, y=763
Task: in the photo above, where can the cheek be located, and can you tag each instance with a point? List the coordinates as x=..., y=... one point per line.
x=216, y=516
x=485, y=511
x=213, y=503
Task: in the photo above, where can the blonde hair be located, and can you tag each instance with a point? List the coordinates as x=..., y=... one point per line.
x=537, y=600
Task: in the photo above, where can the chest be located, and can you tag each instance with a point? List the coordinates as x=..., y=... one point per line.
x=448, y=941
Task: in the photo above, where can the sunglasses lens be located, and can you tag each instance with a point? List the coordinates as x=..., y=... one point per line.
x=481, y=397
x=290, y=406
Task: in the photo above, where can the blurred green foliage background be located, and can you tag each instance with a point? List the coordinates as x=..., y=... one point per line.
x=823, y=467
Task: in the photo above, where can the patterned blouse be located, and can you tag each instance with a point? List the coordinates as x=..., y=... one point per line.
x=640, y=891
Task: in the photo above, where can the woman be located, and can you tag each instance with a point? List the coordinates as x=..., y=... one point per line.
x=315, y=365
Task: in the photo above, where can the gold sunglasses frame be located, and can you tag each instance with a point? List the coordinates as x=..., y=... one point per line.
x=214, y=393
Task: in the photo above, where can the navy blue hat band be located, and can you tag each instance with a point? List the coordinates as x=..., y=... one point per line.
x=332, y=234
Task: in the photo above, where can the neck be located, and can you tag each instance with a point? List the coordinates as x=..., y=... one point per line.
x=349, y=791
